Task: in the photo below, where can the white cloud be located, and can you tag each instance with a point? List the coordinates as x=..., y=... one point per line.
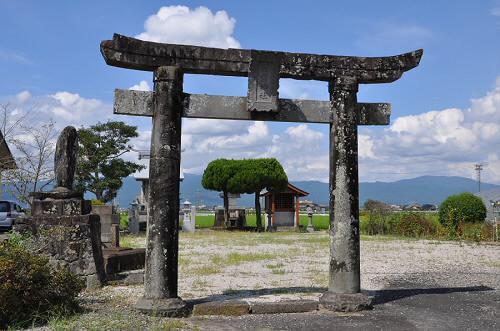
x=444, y=142
x=142, y=86
x=495, y=11
x=14, y=56
x=199, y=26
x=23, y=96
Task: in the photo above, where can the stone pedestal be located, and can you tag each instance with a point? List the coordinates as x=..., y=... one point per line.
x=168, y=307
x=65, y=231
x=346, y=302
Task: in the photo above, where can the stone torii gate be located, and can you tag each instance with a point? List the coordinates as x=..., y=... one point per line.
x=168, y=104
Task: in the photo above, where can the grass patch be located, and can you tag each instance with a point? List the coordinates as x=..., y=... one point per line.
x=239, y=258
x=124, y=221
x=206, y=270
x=133, y=241
x=117, y=320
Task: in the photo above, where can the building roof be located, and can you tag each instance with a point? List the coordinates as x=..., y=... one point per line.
x=6, y=159
x=290, y=189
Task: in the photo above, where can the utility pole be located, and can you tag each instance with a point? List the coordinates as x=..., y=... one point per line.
x=478, y=167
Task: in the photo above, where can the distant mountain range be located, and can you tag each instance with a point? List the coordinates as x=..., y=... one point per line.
x=425, y=189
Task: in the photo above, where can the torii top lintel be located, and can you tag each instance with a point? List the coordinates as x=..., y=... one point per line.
x=132, y=53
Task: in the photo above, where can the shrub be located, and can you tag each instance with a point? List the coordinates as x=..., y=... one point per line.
x=31, y=291
x=461, y=208
x=416, y=225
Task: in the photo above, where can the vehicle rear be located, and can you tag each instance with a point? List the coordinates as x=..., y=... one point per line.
x=6, y=217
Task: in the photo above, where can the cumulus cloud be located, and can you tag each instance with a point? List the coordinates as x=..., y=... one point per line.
x=444, y=142
x=142, y=86
x=199, y=26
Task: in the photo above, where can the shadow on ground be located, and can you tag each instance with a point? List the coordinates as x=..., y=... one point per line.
x=388, y=295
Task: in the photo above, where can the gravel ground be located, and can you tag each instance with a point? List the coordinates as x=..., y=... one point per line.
x=288, y=266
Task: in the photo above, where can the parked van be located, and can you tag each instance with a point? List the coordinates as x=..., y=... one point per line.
x=9, y=212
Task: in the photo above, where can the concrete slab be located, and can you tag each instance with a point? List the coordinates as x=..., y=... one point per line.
x=295, y=306
x=222, y=308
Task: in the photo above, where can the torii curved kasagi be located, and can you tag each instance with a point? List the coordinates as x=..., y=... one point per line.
x=167, y=104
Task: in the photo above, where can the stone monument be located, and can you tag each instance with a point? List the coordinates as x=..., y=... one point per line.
x=61, y=223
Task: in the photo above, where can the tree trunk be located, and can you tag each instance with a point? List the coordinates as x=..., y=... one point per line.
x=98, y=195
x=258, y=216
x=226, y=209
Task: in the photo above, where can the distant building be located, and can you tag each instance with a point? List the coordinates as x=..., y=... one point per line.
x=138, y=213
x=7, y=161
x=284, y=205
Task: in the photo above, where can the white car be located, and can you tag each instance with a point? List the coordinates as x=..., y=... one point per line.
x=9, y=212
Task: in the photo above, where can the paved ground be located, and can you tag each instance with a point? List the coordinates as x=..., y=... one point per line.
x=461, y=308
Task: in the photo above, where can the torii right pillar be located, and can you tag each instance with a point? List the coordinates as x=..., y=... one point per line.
x=344, y=290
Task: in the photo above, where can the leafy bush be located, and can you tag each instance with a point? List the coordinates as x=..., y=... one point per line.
x=461, y=208
x=417, y=225
x=31, y=291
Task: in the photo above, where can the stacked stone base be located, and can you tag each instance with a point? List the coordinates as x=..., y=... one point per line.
x=69, y=239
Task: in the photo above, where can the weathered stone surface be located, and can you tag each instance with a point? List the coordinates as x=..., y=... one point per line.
x=69, y=241
x=129, y=277
x=161, y=276
x=109, y=217
x=65, y=158
x=295, y=306
x=140, y=103
x=344, y=188
x=122, y=259
x=61, y=207
x=225, y=308
x=346, y=302
x=169, y=307
x=132, y=53
x=263, y=81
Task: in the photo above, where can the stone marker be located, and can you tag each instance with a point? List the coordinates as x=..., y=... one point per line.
x=61, y=224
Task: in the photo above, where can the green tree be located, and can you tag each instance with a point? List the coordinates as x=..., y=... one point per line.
x=216, y=177
x=461, y=208
x=100, y=168
x=254, y=175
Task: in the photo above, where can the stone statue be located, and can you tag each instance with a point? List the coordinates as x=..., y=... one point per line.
x=65, y=159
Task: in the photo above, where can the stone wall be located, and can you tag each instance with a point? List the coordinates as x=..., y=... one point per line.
x=69, y=241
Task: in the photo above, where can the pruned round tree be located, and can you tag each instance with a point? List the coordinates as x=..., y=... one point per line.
x=216, y=178
x=244, y=176
x=255, y=175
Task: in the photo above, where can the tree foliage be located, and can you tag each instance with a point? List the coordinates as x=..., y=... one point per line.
x=462, y=208
x=245, y=176
x=100, y=168
x=255, y=175
x=31, y=290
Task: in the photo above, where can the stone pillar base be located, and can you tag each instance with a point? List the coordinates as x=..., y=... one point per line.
x=345, y=301
x=168, y=307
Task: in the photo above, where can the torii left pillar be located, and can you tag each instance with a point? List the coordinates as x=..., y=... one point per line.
x=161, y=268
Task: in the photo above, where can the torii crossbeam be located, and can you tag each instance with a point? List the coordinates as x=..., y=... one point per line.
x=167, y=104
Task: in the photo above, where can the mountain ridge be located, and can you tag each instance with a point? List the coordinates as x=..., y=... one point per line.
x=423, y=189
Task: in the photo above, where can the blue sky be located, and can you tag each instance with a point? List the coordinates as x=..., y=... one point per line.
x=50, y=63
